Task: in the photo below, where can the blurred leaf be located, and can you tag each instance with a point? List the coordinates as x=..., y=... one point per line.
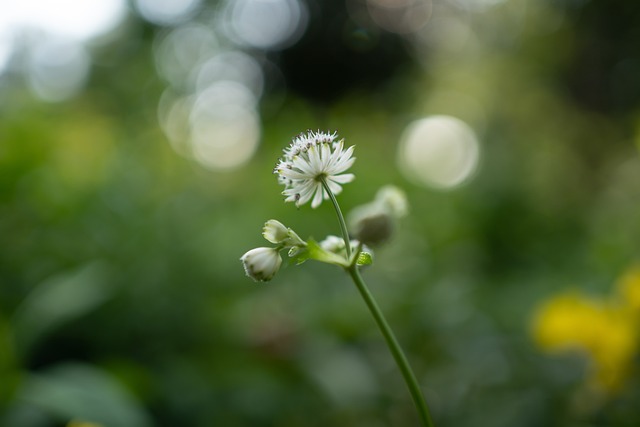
x=8, y=364
x=60, y=299
x=76, y=391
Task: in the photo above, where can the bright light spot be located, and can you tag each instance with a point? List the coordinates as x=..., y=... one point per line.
x=226, y=141
x=231, y=66
x=57, y=70
x=219, y=127
x=220, y=96
x=6, y=49
x=266, y=24
x=81, y=20
x=173, y=115
x=438, y=151
x=225, y=129
x=182, y=50
x=400, y=16
x=166, y=12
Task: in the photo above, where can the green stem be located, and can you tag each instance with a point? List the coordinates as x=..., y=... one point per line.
x=387, y=332
x=394, y=347
x=343, y=224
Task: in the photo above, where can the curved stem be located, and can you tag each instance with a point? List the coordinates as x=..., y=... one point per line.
x=394, y=347
x=387, y=332
x=343, y=224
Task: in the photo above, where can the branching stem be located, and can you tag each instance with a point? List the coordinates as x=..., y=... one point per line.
x=383, y=325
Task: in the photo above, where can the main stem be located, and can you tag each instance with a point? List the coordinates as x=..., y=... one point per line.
x=387, y=332
x=394, y=347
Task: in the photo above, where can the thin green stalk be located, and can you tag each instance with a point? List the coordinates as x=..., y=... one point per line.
x=394, y=347
x=343, y=224
x=387, y=332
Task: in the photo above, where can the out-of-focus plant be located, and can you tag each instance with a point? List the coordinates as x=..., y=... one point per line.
x=312, y=169
x=606, y=330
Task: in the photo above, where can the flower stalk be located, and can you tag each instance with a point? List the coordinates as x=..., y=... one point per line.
x=390, y=338
x=312, y=169
x=394, y=347
x=341, y=221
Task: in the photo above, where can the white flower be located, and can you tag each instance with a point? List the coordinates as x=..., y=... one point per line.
x=261, y=264
x=276, y=232
x=310, y=159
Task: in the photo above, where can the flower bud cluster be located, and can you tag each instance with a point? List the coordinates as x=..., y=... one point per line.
x=261, y=264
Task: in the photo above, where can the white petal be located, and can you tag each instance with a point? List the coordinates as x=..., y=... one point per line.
x=335, y=188
x=293, y=174
x=326, y=156
x=317, y=198
x=342, y=179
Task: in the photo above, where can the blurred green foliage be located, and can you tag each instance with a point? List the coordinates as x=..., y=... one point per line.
x=123, y=302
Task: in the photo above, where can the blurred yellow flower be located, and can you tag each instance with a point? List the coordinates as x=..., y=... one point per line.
x=605, y=332
x=628, y=287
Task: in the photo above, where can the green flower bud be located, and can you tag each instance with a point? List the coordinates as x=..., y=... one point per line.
x=374, y=223
x=374, y=228
x=276, y=232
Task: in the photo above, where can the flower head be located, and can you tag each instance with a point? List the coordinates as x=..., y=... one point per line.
x=261, y=264
x=310, y=159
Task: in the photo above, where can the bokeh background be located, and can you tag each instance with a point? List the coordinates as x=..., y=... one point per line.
x=137, y=141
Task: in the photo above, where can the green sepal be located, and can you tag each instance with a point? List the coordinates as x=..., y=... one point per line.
x=364, y=258
x=316, y=252
x=299, y=255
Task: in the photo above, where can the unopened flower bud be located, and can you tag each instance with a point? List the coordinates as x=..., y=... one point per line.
x=261, y=264
x=274, y=231
x=375, y=228
x=374, y=223
x=277, y=233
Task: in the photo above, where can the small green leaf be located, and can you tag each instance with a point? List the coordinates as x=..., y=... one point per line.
x=316, y=252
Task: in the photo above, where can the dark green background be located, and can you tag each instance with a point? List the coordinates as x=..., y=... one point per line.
x=123, y=300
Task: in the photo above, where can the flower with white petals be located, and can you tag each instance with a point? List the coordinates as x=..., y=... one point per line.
x=261, y=264
x=314, y=158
